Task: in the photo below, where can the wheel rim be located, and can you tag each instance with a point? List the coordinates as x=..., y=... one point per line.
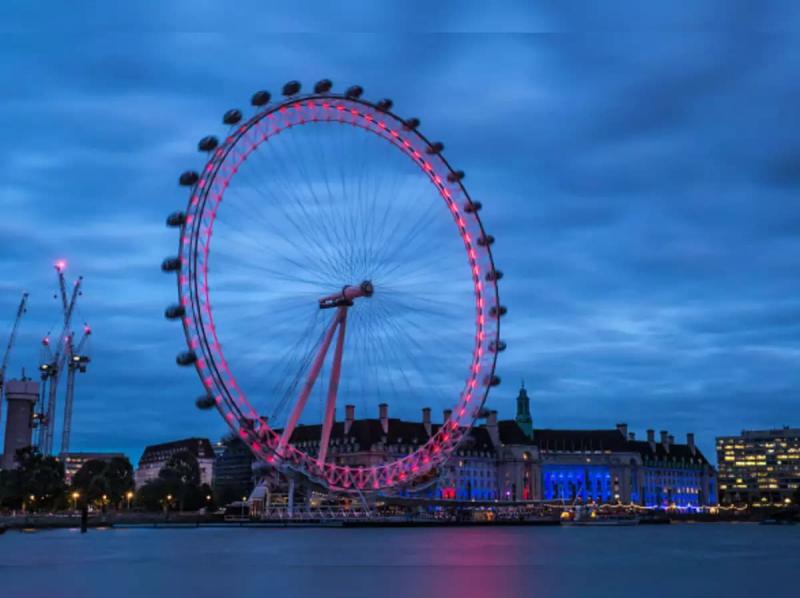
x=201, y=331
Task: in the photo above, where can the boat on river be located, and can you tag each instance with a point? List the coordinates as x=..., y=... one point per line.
x=583, y=517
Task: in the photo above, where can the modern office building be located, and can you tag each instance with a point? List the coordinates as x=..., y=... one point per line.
x=760, y=467
x=21, y=397
x=157, y=455
x=233, y=468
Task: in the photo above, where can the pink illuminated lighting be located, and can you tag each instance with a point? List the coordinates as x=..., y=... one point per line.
x=226, y=161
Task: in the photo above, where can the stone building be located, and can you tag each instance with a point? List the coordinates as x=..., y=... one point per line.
x=156, y=456
x=511, y=460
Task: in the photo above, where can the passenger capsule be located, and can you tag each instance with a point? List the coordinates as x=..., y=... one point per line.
x=498, y=311
x=186, y=358
x=188, y=178
x=260, y=98
x=174, y=312
x=205, y=402
x=323, y=86
x=485, y=240
x=491, y=381
x=435, y=148
x=171, y=264
x=494, y=275
x=232, y=116
x=208, y=144
x=497, y=346
x=354, y=92
x=176, y=219
x=384, y=105
x=411, y=124
x=472, y=206
x=291, y=88
x=456, y=176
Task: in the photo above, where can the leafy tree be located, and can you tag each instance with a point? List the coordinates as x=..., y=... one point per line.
x=119, y=475
x=38, y=476
x=151, y=495
x=98, y=478
x=181, y=474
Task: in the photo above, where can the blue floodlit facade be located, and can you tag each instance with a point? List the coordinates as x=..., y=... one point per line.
x=577, y=482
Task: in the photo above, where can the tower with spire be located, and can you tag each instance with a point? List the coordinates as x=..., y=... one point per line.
x=524, y=419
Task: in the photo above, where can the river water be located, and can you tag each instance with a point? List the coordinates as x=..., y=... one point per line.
x=686, y=560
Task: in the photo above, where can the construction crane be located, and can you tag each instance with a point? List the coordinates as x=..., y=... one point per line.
x=20, y=311
x=76, y=362
x=54, y=361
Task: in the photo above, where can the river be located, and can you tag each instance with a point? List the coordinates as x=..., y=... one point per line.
x=684, y=560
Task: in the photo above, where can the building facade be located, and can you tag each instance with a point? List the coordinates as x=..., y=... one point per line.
x=510, y=460
x=760, y=467
x=157, y=455
x=233, y=468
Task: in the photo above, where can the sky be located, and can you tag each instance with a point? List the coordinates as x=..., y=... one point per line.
x=639, y=171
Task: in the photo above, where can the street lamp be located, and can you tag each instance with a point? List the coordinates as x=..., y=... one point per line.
x=129, y=496
x=244, y=499
x=75, y=497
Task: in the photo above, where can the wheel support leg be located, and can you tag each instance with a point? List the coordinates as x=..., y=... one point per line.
x=297, y=410
x=330, y=406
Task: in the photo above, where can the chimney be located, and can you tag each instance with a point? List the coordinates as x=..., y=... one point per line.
x=664, y=438
x=426, y=419
x=690, y=442
x=623, y=429
x=651, y=438
x=446, y=415
x=671, y=439
x=492, y=429
x=383, y=410
x=631, y=435
x=349, y=417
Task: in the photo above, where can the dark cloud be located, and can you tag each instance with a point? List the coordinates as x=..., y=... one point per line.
x=641, y=187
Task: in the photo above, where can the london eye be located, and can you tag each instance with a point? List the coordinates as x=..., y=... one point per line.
x=329, y=255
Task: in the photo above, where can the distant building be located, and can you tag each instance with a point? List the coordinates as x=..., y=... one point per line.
x=21, y=397
x=510, y=460
x=156, y=456
x=233, y=467
x=74, y=461
x=759, y=466
x=603, y=466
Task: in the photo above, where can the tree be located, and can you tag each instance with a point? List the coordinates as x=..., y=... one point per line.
x=181, y=475
x=119, y=475
x=98, y=478
x=151, y=495
x=37, y=476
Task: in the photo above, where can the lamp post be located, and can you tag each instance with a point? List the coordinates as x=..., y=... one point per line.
x=244, y=498
x=128, y=497
x=75, y=497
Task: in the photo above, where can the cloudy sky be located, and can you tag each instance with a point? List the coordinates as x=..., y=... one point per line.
x=641, y=182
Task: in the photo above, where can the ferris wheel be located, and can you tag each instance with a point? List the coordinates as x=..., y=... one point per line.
x=330, y=255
